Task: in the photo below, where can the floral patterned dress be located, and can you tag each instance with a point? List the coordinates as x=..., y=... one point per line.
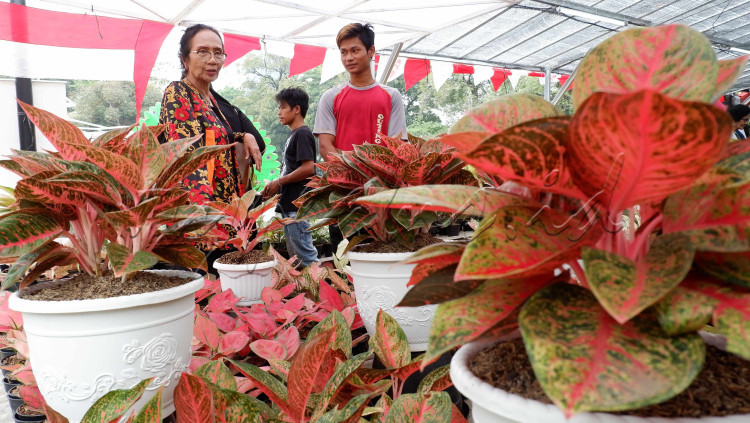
x=186, y=115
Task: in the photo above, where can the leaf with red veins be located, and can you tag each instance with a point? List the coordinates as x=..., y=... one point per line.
x=586, y=361
x=501, y=114
x=625, y=288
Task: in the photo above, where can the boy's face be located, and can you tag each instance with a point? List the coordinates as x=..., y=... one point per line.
x=287, y=114
x=355, y=58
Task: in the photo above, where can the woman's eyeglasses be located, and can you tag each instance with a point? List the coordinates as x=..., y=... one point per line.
x=205, y=55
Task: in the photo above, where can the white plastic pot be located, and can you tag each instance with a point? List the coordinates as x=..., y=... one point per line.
x=380, y=282
x=82, y=349
x=245, y=280
x=493, y=405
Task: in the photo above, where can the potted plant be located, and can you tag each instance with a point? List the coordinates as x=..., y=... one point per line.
x=380, y=281
x=118, y=204
x=645, y=142
x=245, y=271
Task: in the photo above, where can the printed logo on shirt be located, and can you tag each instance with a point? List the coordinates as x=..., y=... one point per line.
x=380, y=128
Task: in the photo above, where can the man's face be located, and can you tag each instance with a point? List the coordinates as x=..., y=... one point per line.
x=354, y=56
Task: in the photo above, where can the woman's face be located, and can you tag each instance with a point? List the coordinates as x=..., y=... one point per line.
x=741, y=123
x=203, y=67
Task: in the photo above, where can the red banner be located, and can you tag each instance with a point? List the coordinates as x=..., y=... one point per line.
x=306, y=58
x=415, y=70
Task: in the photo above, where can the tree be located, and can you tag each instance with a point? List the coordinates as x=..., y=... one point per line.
x=108, y=103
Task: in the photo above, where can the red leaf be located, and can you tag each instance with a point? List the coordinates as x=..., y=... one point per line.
x=268, y=349
x=330, y=296
x=305, y=368
x=643, y=146
x=232, y=342
x=193, y=400
x=503, y=113
x=222, y=302
x=222, y=321
x=32, y=396
x=206, y=331
x=290, y=339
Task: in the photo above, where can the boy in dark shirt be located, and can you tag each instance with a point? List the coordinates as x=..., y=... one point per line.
x=297, y=168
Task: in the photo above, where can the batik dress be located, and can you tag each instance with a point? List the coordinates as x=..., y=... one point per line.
x=186, y=115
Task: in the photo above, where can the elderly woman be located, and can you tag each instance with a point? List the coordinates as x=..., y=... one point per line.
x=740, y=115
x=190, y=108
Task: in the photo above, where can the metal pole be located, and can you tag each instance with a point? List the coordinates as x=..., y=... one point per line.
x=547, y=82
x=26, y=132
x=564, y=87
x=391, y=61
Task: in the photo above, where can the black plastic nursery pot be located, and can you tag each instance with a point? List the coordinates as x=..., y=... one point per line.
x=14, y=399
x=6, y=352
x=10, y=383
x=21, y=416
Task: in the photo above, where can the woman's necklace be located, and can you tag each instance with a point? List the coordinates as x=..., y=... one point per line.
x=204, y=97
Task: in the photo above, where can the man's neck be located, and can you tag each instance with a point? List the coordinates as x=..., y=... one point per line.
x=298, y=122
x=361, y=80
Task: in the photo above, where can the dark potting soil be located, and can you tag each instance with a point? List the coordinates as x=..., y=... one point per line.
x=12, y=360
x=722, y=388
x=25, y=410
x=422, y=240
x=84, y=287
x=237, y=257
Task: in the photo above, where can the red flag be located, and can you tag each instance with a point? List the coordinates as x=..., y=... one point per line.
x=459, y=68
x=499, y=77
x=237, y=46
x=537, y=74
x=306, y=58
x=415, y=70
x=563, y=79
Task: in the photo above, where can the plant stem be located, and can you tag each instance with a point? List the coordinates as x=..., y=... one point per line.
x=580, y=274
x=642, y=237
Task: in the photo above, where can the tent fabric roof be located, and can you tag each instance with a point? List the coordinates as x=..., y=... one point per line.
x=534, y=35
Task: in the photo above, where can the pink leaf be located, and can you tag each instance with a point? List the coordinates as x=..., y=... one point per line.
x=206, y=331
x=232, y=342
x=330, y=296
x=222, y=302
x=269, y=295
x=268, y=349
x=290, y=339
x=223, y=321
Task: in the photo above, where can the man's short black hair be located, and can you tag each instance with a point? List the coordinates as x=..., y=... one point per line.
x=738, y=111
x=294, y=96
x=362, y=31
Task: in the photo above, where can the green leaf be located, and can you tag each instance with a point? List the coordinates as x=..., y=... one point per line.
x=729, y=70
x=463, y=320
x=686, y=309
x=184, y=254
x=389, y=342
x=729, y=267
x=434, y=407
x=586, y=361
x=151, y=412
x=351, y=412
x=445, y=198
x=437, y=286
x=123, y=261
x=216, y=372
x=523, y=241
x=115, y=403
x=625, y=288
x=336, y=321
x=269, y=385
x=355, y=219
x=675, y=59
x=26, y=261
x=437, y=380
x=232, y=406
x=24, y=231
x=336, y=382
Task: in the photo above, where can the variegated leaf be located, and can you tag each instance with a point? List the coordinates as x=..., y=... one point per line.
x=114, y=403
x=269, y=385
x=351, y=221
x=434, y=407
x=336, y=382
x=502, y=113
x=232, y=406
x=522, y=241
x=151, y=412
x=437, y=380
x=389, y=342
x=438, y=253
x=625, y=287
x=465, y=140
x=184, y=165
x=342, y=176
x=457, y=199
x=586, y=361
x=729, y=70
x=216, y=372
x=531, y=153
x=124, y=261
x=686, y=309
x=643, y=146
x=673, y=59
x=380, y=160
x=193, y=400
x=144, y=151
x=729, y=267
x=184, y=254
x=350, y=413
x=460, y=321
x=337, y=322
x=26, y=261
x=23, y=231
x=437, y=287
x=306, y=366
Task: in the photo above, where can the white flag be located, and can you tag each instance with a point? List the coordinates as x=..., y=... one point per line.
x=332, y=65
x=482, y=73
x=515, y=75
x=441, y=71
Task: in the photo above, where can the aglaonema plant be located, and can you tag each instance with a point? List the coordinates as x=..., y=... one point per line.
x=119, y=195
x=634, y=193
x=371, y=168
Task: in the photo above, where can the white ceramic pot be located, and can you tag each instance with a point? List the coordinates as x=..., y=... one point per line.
x=380, y=282
x=245, y=280
x=82, y=349
x=493, y=405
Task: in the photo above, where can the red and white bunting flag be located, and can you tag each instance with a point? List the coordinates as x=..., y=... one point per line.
x=47, y=44
x=465, y=69
x=306, y=58
x=441, y=71
x=499, y=77
x=415, y=70
x=237, y=46
x=332, y=65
